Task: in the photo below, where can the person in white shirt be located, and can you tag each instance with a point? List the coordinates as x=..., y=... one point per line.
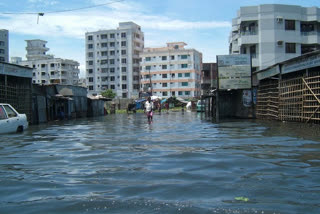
x=148, y=108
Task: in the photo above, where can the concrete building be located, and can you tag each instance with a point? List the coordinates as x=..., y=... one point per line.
x=47, y=69
x=112, y=60
x=272, y=33
x=171, y=71
x=4, y=45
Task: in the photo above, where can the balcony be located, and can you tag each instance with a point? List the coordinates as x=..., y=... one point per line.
x=248, y=37
x=311, y=37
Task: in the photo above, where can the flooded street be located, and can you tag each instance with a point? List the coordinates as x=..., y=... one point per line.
x=178, y=164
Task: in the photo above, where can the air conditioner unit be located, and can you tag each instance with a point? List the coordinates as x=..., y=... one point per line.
x=279, y=19
x=279, y=43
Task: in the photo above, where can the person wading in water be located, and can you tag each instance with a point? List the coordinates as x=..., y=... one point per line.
x=148, y=107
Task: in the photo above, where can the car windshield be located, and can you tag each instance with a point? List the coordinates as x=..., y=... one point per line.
x=10, y=111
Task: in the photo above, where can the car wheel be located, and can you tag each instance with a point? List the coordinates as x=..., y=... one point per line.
x=20, y=129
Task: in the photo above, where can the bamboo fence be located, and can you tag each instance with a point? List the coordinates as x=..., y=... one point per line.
x=291, y=99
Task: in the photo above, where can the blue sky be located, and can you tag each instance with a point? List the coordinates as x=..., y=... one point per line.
x=203, y=24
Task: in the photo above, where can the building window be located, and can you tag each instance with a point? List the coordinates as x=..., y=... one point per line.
x=111, y=61
x=148, y=58
x=184, y=65
x=112, y=78
x=123, y=52
x=180, y=93
x=172, y=57
x=187, y=75
x=112, y=35
x=91, y=87
x=104, y=53
x=112, y=44
x=90, y=79
x=112, y=70
x=164, y=84
x=164, y=58
x=123, y=60
x=90, y=54
x=148, y=67
x=187, y=92
x=184, y=83
x=164, y=93
x=123, y=44
x=124, y=86
x=104, y=70
x=164, y=67
x=112, y=86
x=90, y=62
x=90, y=71
x=179, y=74
x=112, y=53
x=136, y=78
x=123, y=69
x=123, y=35
x=290, y=47
x=90, y=46
x=104, y=36
x=164, y=76
x=104, y=45
x=105, y=61
x=290, y=25
x=124, y=77
x=90, y=37
x=184, y=56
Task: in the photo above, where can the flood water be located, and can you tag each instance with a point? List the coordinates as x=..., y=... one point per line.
x=178, y=164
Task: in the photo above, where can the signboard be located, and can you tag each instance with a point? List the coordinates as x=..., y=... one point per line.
x=301, y=63
x=13, y=70
x=268, y=73
x=234, y=71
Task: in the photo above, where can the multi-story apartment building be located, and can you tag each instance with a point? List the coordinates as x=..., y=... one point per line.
x=272, y=33
x=4, y=45
x=47, y=69
x=112, y=60
x=171, y=71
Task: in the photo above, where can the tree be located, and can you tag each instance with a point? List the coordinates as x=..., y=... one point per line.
x=108, y=94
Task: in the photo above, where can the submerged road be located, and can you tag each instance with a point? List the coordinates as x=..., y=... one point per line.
x=178, y=164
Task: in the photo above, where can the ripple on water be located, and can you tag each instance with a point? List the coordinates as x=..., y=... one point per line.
x=179, y=163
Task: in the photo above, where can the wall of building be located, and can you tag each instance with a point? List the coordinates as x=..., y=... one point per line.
x=111, y=64
x=4, y=45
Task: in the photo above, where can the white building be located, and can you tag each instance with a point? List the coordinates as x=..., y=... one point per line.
x=112, y=60
x=272, y=33
x=47, y=69
x=4, y=45
x=171, y=70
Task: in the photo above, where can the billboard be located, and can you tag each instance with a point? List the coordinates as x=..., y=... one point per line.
x=234, y=71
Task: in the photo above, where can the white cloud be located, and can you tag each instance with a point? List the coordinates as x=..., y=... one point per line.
x=43, y=2
x=75, y=24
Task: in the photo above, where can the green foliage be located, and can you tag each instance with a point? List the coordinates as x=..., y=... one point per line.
x=108, y=94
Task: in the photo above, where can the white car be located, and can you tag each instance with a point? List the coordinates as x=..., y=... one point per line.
x=11, y=120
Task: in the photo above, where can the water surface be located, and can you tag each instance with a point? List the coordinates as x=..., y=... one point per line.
x=178, y=164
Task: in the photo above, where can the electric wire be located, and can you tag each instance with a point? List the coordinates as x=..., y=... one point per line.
x=63, y=11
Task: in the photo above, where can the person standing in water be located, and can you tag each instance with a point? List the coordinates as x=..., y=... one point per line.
x=148, y=108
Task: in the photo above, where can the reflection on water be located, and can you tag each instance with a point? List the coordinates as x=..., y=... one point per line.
x=179, y=163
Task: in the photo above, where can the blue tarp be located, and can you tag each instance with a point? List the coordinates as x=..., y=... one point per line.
x=164, y=100
x=139, y=103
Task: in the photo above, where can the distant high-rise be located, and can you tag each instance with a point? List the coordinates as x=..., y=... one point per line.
x=171, y=71
x=112, y=60
x=272, y=33
x=4, y=45
x=47, y=69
